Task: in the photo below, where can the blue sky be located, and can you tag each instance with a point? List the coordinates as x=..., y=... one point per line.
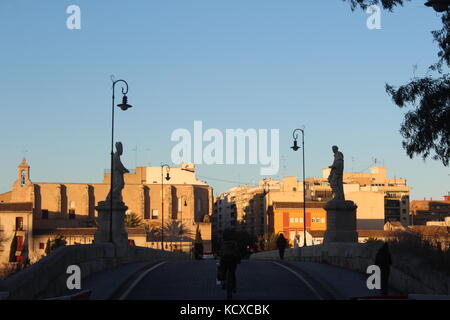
x=259, y=64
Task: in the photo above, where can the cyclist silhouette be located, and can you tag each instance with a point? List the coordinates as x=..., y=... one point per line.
x=229, y=257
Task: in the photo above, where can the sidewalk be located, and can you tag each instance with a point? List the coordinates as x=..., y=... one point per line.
x=340, y=282
x=105, y=283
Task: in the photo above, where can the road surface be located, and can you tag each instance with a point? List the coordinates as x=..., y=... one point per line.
x=196, y=280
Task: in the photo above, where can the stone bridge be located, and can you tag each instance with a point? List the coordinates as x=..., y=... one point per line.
x=321, y=272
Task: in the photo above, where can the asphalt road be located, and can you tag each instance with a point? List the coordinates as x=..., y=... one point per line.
x=196, y=280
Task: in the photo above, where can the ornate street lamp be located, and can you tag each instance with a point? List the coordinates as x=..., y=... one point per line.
x=124, y=106
x=162, y=199
x=295, y=147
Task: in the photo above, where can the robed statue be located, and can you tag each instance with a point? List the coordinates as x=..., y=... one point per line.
x=118, y=170
x=336, y=174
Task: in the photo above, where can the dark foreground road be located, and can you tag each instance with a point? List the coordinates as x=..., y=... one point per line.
x=195, y=280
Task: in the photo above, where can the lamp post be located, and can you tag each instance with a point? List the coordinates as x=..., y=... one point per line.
x=295, y=147
x=266, y=188
x=124, y=106
x=162, y=200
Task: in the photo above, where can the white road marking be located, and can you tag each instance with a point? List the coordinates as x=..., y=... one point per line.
x=301, y=278
x=130, y=288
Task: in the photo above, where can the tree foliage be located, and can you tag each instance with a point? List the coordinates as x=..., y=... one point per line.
x=173, y=231
x=386, y=4
x=55, y=243
x=426, y=126
x=132, y=220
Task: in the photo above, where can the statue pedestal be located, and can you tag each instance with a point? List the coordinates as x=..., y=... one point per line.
x=119, y=234
x=341, y=222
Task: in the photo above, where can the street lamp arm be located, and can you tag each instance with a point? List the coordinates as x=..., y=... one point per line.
x=295, y=134
x=124, y=88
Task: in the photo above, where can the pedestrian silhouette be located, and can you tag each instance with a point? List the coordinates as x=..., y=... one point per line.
x=281, y=244
x=229, y=258
x=383, y=260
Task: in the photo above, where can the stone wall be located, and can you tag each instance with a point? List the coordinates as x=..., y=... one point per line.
x=408, y=274
x=47, y=278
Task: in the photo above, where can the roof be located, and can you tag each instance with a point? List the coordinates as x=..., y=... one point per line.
x=394, y=225
x=361, y=233
x=432, y=230
x=81, y=231
x=17, y=206
x=296, y=205
x=373, y=233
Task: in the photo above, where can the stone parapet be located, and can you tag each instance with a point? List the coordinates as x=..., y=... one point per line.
x=409, y=275
x=48, y=277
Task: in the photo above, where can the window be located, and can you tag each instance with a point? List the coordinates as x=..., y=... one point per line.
x=72, y=214
x=199, y=205
x=41, y=245
x=45, y=214
x=23, y=178
x=155, y=214
x=19, y=223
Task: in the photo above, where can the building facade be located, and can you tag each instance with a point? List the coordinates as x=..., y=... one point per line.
x=430, y=211
x=277, y=206
x=183, y=200
x=362, y=189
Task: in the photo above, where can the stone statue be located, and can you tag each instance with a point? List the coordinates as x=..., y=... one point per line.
x=118, y=171
x=335, y=177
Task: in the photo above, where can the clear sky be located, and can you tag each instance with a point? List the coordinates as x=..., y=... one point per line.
x=259, y=64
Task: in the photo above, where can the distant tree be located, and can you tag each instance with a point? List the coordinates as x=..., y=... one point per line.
x=386, y=4
x=426, y=128
x=173, y=231
x=57, y=242
x=3, y=239
x=198, y=243
x=132, y=220
x=198, y=235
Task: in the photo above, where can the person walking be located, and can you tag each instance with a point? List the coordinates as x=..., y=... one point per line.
x=229, y=257
x=281, y=245
x=383, y=260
